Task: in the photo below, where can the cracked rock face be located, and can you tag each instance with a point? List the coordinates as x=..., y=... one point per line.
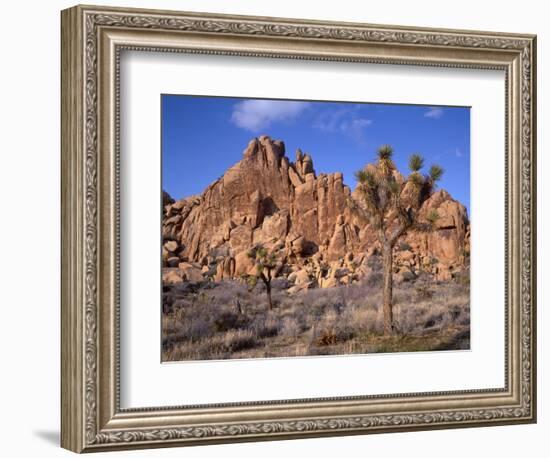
x=265, y=198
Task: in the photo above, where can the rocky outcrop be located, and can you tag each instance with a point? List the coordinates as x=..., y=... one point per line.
x=266, y=198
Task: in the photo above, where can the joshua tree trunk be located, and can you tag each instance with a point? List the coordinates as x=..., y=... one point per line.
x=267, y=282
x=387, y=293
x=268, y=291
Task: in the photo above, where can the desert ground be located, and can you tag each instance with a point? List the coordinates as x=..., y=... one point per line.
x=223, y=320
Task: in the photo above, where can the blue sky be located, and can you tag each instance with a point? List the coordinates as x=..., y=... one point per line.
x=203, y=136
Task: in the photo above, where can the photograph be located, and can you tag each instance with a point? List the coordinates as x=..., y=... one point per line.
x=306, y=228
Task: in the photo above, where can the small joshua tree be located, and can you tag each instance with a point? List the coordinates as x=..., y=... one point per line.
x=267, y=263
x=392, y=206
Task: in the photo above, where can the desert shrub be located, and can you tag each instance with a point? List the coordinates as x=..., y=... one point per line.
x=339, y=307
x=196, y=329
x=265, y=326
x=335, y=326
x=411, y=319
x=402, y=295
x=372, y=321
x=239, y=340
x=333, y=336
x=375, y=263
x=227, y=292
x=181, y=304
x=463, y=277
x=228, y=319
x=280, y=284
x=317, y=309
x=218, y=346
x=188, y=330
x=290, y=328
x=464, y=318
x=285, y=302
x=408, y=276
x=326, y=337
x=354, y=294
x=374, y=280
x=454, y=312
x=437, y=319
x=300, y=314
x=432, y=307
x=423, y=292
x=344, y=333
x=167, y=302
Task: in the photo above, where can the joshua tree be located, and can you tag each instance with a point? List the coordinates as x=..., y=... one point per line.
x=392, y=204
x=267, y=264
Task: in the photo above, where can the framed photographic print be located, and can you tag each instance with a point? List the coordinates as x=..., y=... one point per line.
x=278, y=228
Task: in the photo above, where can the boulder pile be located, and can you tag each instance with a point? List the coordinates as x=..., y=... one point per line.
x=326, y=239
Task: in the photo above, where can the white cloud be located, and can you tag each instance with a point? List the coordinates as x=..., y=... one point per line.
x=330, y=121
x=345, y=121
x=434, y=113
x=360, y=123
x=255, y=115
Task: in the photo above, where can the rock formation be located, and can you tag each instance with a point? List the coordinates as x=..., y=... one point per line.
x=266, y=198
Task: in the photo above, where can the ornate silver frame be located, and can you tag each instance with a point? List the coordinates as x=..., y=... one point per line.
x=92, y=39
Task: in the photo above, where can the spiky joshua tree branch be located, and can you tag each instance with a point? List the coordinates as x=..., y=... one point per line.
x=392, y=205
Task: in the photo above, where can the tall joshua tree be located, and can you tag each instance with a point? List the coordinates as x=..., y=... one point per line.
x=267, y=264
x=392, y=204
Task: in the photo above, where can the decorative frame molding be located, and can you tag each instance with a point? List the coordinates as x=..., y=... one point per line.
x=92, y=39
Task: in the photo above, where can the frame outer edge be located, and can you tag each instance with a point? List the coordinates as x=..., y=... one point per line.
x=81, y=430
x=72, y=251
x=533, y=253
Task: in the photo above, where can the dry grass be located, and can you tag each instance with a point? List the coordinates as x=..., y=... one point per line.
x=223, y=320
